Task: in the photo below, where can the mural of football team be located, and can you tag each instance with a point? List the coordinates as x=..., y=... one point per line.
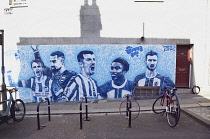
x=70, y=72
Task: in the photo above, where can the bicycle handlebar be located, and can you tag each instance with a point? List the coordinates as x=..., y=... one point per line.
x=10, y=90
x=170, y=89
x=126, y=95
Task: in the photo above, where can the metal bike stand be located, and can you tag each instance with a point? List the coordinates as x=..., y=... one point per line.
x=38, y=118
x=86, y=110
x=49, y=115
x=127, y=106
x=81, y=113
x=129, y=112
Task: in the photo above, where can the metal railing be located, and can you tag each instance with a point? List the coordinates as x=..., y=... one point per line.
x=38, y=118
x=128, y=109
x=81, y=112
x=86, y=118
x=86, y=110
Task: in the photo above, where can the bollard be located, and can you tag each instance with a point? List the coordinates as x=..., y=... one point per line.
x=86, y=110
x=38, y=119
x=48, y=101
x=80, y=114
x=127, y=107
x=130, y=106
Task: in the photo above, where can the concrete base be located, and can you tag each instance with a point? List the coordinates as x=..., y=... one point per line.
x=184, y=91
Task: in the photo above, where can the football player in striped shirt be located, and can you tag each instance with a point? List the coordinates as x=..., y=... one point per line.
x=59, y=75
x=151, y=77
x=119, y=86
x=83, y=85
x=40, y=83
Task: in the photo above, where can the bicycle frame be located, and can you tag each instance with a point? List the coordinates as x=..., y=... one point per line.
x=169, y=104
x=166, y=100
x=15, y=109
x=9, y=101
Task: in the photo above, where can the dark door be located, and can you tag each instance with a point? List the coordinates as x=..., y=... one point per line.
x=182, y=65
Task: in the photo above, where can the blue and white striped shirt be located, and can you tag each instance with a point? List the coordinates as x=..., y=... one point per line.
x=81, y=86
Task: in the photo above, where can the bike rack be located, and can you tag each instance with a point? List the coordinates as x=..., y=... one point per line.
x=86, y=110
x=38, y=118
x=81, y=113
x=128, y=110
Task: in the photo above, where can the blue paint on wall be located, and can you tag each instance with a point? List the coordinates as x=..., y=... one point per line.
x=104, y=55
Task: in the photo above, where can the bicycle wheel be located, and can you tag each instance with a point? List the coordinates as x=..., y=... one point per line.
x=18, y=110
x=196, y=89
x=158, y=106
x=135, y=109
x=173, y=114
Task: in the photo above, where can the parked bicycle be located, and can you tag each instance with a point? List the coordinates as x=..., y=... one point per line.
x=129, y=104
x=168, y=103
x=15, y=108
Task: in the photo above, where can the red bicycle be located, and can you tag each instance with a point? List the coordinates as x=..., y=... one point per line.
x=168, y=103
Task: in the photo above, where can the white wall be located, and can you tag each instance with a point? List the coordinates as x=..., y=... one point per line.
x=120, y=18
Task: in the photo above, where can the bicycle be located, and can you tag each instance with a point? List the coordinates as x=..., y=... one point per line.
x=168, y=103
x=129, y=104
x=15, y=108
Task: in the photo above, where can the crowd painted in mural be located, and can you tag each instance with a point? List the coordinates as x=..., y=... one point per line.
x=70, y=72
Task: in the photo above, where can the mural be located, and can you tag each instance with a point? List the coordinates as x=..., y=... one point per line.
x=69, y=72
x=119, y=86
x=151, y=77
x=82, y=84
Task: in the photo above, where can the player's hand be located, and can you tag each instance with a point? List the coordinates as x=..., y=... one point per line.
x=34, y=48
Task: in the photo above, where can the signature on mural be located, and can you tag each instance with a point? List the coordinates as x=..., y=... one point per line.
x=169, y=48
x=133, y=51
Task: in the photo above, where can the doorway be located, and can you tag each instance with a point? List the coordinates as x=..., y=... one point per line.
x=183, y=66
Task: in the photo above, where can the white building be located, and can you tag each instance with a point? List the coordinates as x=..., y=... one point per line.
x=171, y=22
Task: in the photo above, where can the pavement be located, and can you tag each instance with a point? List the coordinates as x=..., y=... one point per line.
x=106, y=122
x=196, y=106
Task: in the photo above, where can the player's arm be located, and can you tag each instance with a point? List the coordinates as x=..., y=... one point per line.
x=47, y=70
x=36, y=52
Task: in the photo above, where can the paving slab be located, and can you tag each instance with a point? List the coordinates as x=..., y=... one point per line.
x=200, y=114
x=197, y=106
